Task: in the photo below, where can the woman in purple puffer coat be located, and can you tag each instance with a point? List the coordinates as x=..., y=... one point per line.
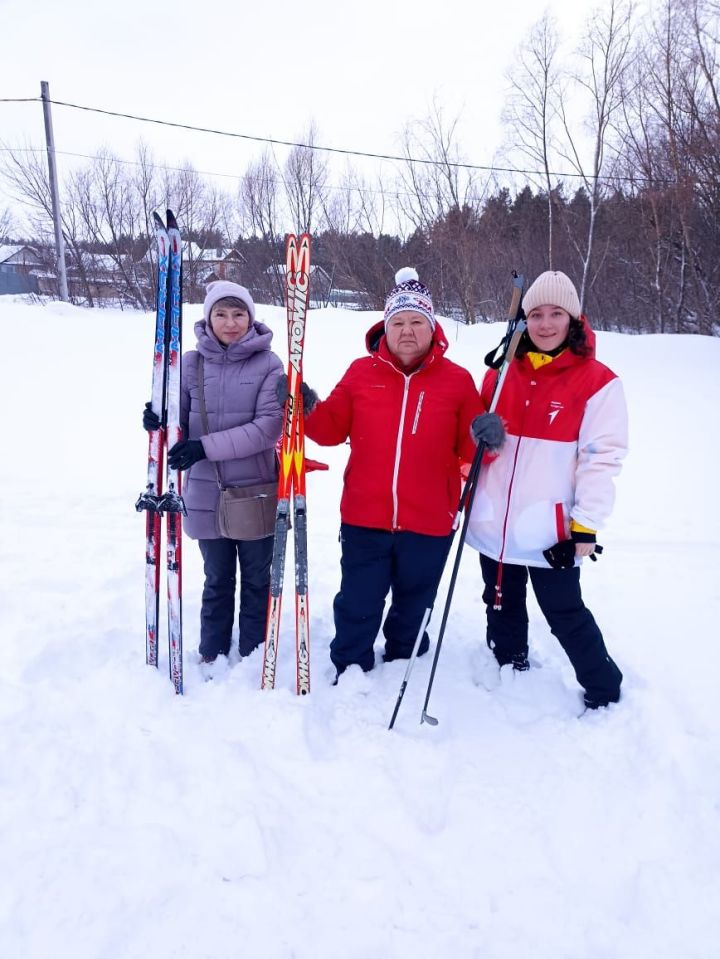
x=244, y=424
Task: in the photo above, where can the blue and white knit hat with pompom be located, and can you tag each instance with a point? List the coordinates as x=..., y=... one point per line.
x=409, y=294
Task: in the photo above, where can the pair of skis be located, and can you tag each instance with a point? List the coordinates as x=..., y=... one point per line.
x=153, y=501
x=291, y=481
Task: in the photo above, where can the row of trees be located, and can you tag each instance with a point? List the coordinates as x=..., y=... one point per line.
x=620, y=138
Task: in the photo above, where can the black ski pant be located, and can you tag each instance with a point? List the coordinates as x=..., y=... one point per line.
x=375, y=562
x=217, y=614
x=571, y=622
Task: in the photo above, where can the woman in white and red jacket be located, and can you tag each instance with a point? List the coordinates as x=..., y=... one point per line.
x=541, y=499
x=406, y=410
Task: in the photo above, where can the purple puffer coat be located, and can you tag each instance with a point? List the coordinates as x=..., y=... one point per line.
x=244, y=419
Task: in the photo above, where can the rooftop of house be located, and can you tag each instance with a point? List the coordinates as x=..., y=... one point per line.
x=8, y=251
x=194, y=251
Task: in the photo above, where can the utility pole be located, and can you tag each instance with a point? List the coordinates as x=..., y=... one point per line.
x=59, y=241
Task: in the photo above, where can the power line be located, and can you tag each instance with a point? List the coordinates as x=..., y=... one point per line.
x=339, y=150
x=455, y=164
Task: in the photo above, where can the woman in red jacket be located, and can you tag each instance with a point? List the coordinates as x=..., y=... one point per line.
x=406, y=410
x=540, y=501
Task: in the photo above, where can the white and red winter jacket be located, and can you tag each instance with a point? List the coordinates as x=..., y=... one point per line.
x=566, y=426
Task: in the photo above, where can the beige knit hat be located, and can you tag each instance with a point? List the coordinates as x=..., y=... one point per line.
x=552, y=288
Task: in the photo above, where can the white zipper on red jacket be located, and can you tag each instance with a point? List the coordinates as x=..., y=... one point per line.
x=398, y=445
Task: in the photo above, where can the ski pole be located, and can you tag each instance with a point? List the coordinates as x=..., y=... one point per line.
x=506, y=354
x=410, y=665
x=425, y=717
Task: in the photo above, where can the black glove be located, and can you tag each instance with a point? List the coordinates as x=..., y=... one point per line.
x=562, y=554
x=578, y=537
x=185, y=453
x=488, y=428
x=309, y=397
x=151, y=421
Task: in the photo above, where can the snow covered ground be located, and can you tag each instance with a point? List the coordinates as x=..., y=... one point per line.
x=230, y=822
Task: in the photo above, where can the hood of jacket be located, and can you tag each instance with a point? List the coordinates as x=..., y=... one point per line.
x=376, y=344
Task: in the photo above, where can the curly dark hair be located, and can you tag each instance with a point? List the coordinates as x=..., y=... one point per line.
x=576, y=341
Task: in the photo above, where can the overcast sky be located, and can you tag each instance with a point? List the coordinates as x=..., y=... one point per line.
x=263, y=67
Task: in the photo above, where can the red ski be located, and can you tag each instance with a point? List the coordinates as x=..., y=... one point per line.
x=291, y=482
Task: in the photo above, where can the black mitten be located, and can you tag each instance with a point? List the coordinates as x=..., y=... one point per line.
x=151, y=421
x=281, y=389
x=309, y=399
x=185, y=453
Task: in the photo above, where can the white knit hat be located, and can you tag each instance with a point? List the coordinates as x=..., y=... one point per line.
x=219, y=289
x=552, y=288
x=409, y=294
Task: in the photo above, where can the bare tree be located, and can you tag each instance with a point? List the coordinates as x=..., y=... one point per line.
x=605, y=54
x=7, y=223
x=533, y=108
x=105, y=210
x=672, y=135
x=645, y=164
x=203, y=210
x=26, y=178
x=146, y=189
x=26, y=175
x=114, y=201
x=305, y=178
x=258, y=207
x=340, y=213
x=439, y=197
x=702, y=149
x=433, y=179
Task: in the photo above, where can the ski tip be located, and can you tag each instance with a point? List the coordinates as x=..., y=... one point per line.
x=159, y=225
x=171, y=221
x=298, y=239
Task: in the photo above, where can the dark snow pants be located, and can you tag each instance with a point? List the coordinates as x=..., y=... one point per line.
x=571, y=622
x=375, y=562
x=217, y=614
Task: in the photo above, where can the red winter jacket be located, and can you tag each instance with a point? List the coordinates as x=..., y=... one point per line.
x=408, y=434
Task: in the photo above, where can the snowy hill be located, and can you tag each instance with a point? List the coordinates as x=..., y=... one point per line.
x=230, y=822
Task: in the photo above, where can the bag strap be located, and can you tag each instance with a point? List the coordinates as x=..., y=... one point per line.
x=203, y=411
